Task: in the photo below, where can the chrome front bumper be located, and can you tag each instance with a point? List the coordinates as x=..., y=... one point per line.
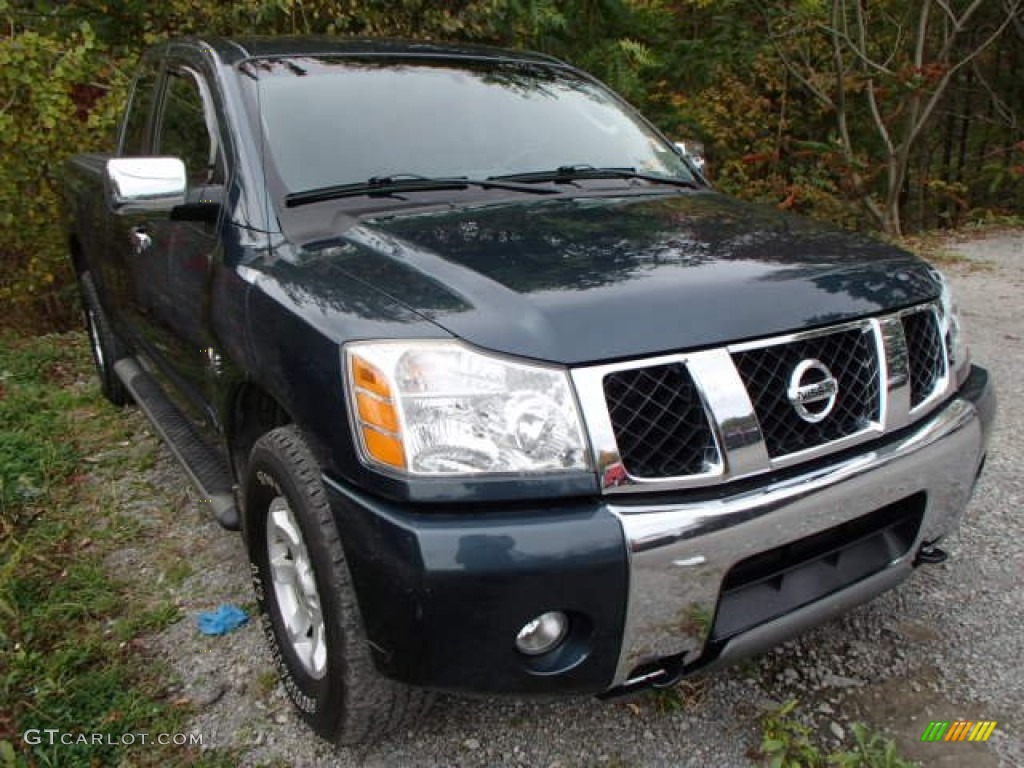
x=680, y=553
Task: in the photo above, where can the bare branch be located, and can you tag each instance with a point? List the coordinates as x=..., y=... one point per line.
x=858, y=52
x=1004, y=110
x=872, y=207
x=793, y=70
x=841, y=17
x=922, y=34
x=1013, y=8
x=947, y=10
x=897, y=46
x=948, y=75
x=897, y=25
x=876, y=113
x=961, y=22
x=840, y=65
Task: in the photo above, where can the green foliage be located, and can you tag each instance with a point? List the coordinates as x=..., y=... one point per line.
x=872, y=751
x=33, y=455
x=57, y=97
x=907, y=109
x=722, y=71
x=64, y=71
x=788, y=743
x=68, y=629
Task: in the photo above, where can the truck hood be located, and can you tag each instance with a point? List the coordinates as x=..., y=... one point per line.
x=595, y=279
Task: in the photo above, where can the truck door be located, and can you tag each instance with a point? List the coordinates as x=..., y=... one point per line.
x=122, y=268
x=186, y=252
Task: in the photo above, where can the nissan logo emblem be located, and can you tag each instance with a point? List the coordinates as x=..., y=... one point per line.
x=812, y=390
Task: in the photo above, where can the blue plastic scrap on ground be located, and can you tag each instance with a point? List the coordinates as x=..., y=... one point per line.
x=222, y=620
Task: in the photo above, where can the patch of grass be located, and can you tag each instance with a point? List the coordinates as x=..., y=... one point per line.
x=251, y=607
x=933, y=247
x=71, y=657
x=989, y=221
x=684, y=695
x=943, y=257
x=266, y=681
x=278, y=763
x=177, y=572
x=117, y=526
x=872, y=751
x=147, y=621
x=146, y=461
x=224, y=758
x=788, y=743
x=33, y=453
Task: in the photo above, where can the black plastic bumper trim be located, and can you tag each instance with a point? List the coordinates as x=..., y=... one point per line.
x=443, y=596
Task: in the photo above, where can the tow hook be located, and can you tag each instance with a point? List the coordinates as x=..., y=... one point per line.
x=668, y=673
x=929, y=554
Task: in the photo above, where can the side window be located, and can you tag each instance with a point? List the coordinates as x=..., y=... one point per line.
x=189, y=131
x=136, y=121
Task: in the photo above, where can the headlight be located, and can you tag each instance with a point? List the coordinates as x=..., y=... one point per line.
x=441, y=408
x=952, y=332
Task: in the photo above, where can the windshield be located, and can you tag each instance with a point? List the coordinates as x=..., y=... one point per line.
x=330, y=121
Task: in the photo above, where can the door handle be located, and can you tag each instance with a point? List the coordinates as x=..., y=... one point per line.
x=141, y=241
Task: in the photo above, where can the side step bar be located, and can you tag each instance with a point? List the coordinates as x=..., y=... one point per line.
x=201, y=463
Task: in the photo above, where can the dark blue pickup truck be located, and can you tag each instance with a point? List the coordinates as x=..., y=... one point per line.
x=502, y=395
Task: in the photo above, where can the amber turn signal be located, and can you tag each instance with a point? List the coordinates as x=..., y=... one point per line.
x=375, y=410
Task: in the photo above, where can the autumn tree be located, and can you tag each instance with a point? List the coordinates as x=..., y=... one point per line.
x=883, y=68
x=894, y=114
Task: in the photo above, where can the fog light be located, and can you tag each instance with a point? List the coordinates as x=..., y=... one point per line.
x=543, y=633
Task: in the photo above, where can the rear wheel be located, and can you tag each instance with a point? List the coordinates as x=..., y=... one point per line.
x=106, y=348
x=308, y=604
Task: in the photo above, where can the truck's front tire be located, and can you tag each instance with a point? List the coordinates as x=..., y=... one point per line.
x=106, y=348
x=307, y=602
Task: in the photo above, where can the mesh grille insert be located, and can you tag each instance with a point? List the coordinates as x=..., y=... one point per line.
x=924, y=354
x=852, y=359
x=659, y=421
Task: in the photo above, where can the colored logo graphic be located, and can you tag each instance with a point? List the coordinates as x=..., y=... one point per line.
x=958, y=730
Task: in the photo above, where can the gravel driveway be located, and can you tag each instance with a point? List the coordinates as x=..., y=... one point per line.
x=946, y=645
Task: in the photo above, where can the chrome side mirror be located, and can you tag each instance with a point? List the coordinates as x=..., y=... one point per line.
x=693, y=151
x=146, y=183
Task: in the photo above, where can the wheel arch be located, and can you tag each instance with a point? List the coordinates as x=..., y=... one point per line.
x=252, y=412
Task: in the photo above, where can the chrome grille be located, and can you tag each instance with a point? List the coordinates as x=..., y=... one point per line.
x=698, y=419
x=851, y=357
x=659, y=421
x=925, y=354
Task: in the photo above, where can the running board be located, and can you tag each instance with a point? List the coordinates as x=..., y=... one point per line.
x=201, y=463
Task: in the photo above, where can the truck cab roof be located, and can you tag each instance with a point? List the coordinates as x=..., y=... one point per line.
x=232, y=50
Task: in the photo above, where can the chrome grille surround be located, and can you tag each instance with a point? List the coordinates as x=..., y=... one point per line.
x=739, y=446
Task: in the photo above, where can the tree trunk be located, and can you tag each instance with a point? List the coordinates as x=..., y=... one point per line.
x=896, y=173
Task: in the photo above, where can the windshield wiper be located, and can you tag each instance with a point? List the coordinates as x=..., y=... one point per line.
x=386, y=186
x=565, y=174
